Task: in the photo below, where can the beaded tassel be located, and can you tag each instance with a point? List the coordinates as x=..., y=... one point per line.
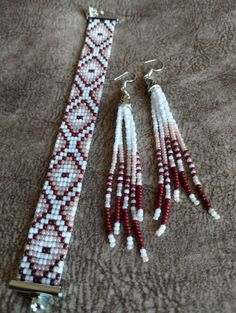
x=128, y=200
x=171, y=150
x=118, y=142
x=167, y=193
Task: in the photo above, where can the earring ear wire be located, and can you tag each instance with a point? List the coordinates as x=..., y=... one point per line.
x=127, y=80
x=125, y=97
x=150, y=76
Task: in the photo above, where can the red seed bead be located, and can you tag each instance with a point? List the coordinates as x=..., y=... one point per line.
x=117, y=209
x=166, y=211
x=108, y=220
x=127, y=225
x=37, y=279
x=186, y=186
x=175, y=177
x=138, y=234
x=160, y=194
x=203, y=197
x=22, y=277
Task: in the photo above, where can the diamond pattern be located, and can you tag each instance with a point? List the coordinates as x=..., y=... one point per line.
x=51, y=229
x=100, y=34
x=78, y=118
x=91, y=71
x=63, y=176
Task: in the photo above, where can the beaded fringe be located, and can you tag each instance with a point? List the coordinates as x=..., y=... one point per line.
x=128, y=199
x=171, y=152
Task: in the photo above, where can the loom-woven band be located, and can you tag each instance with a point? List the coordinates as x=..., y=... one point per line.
x=51, y=229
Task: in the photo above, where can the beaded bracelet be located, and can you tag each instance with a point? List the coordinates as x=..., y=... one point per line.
x=44, y=255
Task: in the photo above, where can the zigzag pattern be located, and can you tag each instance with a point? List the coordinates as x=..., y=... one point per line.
x=50, y=232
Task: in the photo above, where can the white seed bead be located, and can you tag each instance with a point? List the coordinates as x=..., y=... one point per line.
x=193, y=198
x=140, y=215
x=180, y=166
x=196, y=180
x=130, y=242
x=168, y=194
x=176, y=195
x=112, y=240
x=214, y=213
x=133, y=212
x=116, y=228
x=161, y=230
x=157, y=214
x=144, y=256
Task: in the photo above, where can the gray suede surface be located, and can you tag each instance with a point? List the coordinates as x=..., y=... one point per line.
x=192, y=268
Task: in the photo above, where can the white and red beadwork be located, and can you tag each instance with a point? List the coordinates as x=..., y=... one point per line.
x=50, y=233
x=128, y=198
x=170, y=150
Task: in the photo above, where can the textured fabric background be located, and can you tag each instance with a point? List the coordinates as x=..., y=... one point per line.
x=192, y=269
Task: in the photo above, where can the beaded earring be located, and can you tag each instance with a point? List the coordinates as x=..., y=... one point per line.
x=128, y=198
x=171, y=152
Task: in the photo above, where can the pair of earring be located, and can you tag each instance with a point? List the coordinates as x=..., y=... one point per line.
x=173, y=157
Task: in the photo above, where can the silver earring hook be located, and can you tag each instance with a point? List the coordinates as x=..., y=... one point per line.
x=125, y=98
x=125, y=82
x=150, y=76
